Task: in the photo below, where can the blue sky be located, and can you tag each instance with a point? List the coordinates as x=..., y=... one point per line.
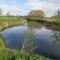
x=22, y=7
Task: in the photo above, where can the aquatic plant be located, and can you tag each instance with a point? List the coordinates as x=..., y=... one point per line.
x=56, y=37
x=28, y=44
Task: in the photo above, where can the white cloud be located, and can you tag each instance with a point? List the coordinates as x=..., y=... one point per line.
x=48, y=7
x=32, y=1
x=13, y=7
x=10, y=6
x=14, y=10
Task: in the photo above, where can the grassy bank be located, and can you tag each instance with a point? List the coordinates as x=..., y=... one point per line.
x=10, y=21
x=13, y=54
x=55, y=22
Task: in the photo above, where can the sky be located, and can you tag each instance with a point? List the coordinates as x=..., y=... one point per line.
x=22, y=7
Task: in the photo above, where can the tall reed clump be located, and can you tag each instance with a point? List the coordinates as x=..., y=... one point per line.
x=28, y=44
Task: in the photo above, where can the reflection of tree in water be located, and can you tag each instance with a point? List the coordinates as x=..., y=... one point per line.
x=56, y=37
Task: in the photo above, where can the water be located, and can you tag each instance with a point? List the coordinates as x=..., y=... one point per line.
x=42, y=38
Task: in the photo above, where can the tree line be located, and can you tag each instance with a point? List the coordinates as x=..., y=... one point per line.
x=1, y=13
x=33, y=13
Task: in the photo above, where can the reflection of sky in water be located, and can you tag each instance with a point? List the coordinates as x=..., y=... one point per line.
x=14, y=36
x=42, y=37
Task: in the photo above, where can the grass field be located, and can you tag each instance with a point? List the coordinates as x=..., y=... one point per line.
x=6, y=22
x=53, y=23
x=9, y=54
x=10, y=21
x=56, y=23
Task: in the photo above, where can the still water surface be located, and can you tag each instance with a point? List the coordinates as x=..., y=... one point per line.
x=42, y=37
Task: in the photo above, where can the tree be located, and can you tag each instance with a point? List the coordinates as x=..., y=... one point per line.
x=36, y=14
x=58, y=12
x=8, y=14
x=0, y=11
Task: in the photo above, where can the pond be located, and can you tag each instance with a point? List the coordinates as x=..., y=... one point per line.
x=44, y=38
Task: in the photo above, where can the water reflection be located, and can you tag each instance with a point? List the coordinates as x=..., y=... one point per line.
x=56, y=37
x=35, y=25
x=43, y=38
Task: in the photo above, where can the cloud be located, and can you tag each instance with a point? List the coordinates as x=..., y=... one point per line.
x=12, y=9
x=49, y=7
x=12, y=6
x=32, y=1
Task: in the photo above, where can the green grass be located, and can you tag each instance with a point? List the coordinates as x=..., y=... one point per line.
x=10, y=21
x=56, y=23
x=13, y=54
